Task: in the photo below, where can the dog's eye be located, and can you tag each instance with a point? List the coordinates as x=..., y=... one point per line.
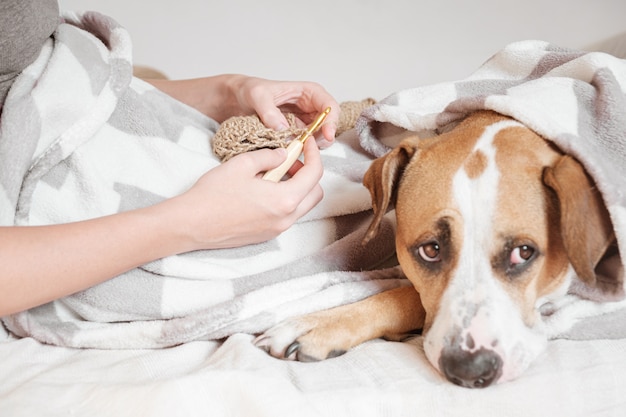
x=521, y=254
x=429, y=252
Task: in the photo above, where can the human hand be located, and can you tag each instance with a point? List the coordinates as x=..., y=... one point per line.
x=269, y=99
x=231, y=205
x=224, y=96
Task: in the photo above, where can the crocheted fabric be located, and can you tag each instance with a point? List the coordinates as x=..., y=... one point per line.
x=246, y=133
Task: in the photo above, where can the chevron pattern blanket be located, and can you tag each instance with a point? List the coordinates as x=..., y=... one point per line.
x=80, y=138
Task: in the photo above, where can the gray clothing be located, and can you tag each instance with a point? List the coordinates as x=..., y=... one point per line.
x=24, y=27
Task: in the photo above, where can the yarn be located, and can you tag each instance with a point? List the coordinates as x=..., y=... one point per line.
x=241, y=134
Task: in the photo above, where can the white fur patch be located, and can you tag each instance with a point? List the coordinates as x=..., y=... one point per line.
x=475, y=310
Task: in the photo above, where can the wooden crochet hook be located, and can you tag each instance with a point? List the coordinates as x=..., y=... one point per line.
x=295, y=149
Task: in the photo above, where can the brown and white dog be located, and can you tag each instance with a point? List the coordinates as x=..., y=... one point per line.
x=493, y=222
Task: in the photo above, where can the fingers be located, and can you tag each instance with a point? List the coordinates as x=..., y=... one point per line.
x=321, y=100
x=326, y=136
x=314, y=100
x=272, y=117
x=309, y=202
x=310, y=99
x=269, y=206
x=307, y=176
x=301, y=192
x=258, y=162
x=329, y=130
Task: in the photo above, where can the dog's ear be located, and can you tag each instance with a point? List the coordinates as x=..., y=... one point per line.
x=586, y=228
x=382, y=179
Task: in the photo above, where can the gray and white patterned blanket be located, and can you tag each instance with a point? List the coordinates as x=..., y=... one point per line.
x=81, y=138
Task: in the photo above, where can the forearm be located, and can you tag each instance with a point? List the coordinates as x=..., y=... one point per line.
x=212, y=96
x=41, y=263
x=224, y=96
x=229, y=206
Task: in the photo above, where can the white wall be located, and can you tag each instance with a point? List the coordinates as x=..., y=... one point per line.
x=355, y=48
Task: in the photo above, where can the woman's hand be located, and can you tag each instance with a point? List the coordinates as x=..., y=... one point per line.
x=224, y=96
x=267, y=98
x=231, y=205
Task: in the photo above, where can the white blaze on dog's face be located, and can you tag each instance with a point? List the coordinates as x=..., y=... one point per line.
x=478, y=236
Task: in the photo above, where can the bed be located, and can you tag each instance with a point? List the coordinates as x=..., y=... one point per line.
x=234, y=378
x=122, y=367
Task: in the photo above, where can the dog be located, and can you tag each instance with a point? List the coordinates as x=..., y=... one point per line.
x=494, y=224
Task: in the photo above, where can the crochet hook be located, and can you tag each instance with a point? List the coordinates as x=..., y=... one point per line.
x=295, y=149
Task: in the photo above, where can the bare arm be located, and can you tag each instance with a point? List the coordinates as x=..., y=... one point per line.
x=224, y=96
x=41, y=263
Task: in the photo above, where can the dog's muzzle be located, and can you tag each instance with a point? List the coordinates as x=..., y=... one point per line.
x=477, y=369
x=478, y=344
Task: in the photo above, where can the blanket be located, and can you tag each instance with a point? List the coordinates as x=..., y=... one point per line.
x=81, y=138
x=573, y=98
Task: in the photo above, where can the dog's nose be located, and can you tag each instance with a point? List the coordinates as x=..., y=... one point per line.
x=477, y=369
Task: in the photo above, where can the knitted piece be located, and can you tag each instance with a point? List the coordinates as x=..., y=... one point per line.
x=350, y=112
x=241, y=134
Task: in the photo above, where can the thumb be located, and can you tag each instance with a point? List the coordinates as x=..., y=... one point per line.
x=274, y=119
x=266, y=159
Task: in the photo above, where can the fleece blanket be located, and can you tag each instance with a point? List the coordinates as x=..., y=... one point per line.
x=573, y=98
x=81, y=138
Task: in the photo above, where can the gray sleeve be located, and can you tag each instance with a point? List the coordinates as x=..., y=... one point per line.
x=24, y=27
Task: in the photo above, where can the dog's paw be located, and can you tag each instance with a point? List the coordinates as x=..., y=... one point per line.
x=306, y=339
x=330, y=333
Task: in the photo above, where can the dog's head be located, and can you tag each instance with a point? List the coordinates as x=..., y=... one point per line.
x=493, y=222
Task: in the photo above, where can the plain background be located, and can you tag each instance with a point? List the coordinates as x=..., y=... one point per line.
x=355, y=48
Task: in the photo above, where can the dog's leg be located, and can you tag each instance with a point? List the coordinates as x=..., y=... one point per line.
x=391, y=314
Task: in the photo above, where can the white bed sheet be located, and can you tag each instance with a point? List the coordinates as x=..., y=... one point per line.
x=234, y=378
